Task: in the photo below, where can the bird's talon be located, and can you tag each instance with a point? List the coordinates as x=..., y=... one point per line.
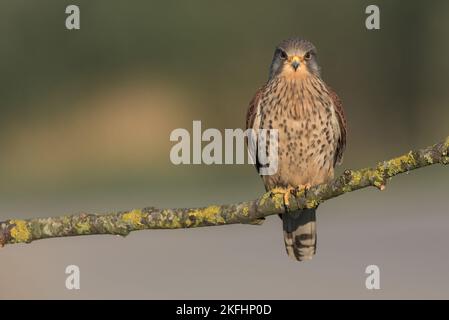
x=286, y=192
x=287, y=199
x=302, y=188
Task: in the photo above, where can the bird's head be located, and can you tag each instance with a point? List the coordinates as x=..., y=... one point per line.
x=295, y=58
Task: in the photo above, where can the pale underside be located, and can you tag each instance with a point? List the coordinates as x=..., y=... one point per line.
x=308, y=128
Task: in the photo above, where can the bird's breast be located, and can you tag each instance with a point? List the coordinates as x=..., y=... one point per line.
x=308, y=130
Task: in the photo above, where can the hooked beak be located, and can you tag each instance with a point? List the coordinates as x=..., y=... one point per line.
x=295, y=62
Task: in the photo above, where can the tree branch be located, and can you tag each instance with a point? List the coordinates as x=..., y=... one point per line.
x=248, y=212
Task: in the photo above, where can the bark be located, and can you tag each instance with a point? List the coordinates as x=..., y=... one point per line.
x=248, y=212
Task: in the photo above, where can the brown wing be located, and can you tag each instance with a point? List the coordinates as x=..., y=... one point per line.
x=342, y=121
x=252, y=108
x=251, y=116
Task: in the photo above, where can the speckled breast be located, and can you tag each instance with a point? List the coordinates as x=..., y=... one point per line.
x=308, y=130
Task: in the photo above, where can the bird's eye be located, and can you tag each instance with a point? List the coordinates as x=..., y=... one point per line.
x=282, y=54
x=308, y=56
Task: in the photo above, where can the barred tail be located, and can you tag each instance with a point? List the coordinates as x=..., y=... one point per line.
x=300, y=233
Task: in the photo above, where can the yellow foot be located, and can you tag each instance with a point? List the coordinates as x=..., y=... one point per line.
x=286, y=192
x=302, y=188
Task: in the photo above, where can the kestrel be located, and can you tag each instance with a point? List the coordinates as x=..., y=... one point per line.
x=311, y=131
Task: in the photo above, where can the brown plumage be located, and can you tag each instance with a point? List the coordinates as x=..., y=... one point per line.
x=311, y=126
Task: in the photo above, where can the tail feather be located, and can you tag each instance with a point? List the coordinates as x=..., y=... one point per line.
x=300, y=233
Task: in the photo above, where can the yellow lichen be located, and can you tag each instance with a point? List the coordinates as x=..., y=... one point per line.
x=356, y=177
x=264, y=198
x=133, y=217
x=445, y=153
x=245, y=211
x=377, y=176
x=82, y=227
x=188, y=223
x=209, y=214
x=312, y=203
x=174, y=221
x=278, y=201
x=428, y=158
x=20, y=231
x=395, y=166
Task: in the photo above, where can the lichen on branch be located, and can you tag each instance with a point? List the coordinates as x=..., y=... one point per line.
x=248, y=212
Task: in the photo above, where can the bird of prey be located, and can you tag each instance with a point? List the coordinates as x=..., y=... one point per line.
x=311, y=126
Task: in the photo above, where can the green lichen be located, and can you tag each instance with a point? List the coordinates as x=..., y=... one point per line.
x=65, y=220
x=396, y=165
x=378, y=179
x=82, y=227
x=20, y=231
x=356, y=178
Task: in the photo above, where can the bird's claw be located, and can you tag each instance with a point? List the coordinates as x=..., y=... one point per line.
x=302, y=189
x=285, y=192
x=295, y=191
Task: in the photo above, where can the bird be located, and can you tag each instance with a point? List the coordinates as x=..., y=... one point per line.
x=311, y=125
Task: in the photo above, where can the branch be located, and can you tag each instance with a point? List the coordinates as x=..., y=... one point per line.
x=248, y=212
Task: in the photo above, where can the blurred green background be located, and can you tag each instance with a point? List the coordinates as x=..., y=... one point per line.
x=86, y=117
